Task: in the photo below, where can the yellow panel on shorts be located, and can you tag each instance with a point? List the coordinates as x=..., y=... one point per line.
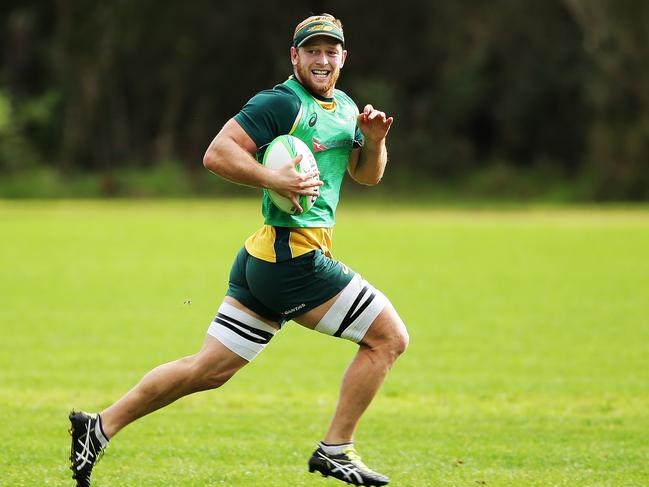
x=261, y=244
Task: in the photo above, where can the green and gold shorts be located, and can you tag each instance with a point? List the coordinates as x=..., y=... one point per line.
x=279, y=291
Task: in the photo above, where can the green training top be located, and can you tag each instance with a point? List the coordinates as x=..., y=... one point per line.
x=326, y=125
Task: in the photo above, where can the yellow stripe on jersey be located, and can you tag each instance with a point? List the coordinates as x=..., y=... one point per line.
x=297, y=120
x=329, y=106
x=262, y=243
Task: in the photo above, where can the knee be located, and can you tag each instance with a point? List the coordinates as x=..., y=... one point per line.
x=395, y=336
x=390, y=345
x=388, y=336
x=399, y=342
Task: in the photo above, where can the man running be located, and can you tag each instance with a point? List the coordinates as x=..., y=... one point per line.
x=285, y=270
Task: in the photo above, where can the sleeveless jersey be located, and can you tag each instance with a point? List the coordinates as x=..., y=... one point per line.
x=328, y=128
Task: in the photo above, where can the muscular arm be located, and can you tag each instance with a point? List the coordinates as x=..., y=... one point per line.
x=367, y=164
x=230, y=156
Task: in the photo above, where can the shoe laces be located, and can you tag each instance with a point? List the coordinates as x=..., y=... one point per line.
x=351, y=453
x=89, y=448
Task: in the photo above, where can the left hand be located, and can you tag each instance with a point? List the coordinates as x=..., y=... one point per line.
x=373, y=123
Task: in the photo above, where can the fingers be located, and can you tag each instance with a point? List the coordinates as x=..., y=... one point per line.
x=310, y=184
x=310, y=191
x=310, y=179
x=374, y=124
x=307, y=180
x=293, y=184
x=298, y=208
x=370, y=113
x=305, y=177
x=291, y=168
x=376, y=114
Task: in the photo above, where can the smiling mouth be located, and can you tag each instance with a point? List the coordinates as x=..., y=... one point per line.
x=320, y=73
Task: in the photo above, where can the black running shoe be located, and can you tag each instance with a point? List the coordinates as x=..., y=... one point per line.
x=86, y=449
x=346, y=466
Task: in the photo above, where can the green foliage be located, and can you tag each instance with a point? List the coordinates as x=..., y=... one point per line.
x=167, y=179
x=128, y=85
x=15, y=150
x=5, y=113
x=615, y=36
x=25, y=128
x=527, y=363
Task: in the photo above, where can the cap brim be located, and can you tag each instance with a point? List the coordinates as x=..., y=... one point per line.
x=324, y=34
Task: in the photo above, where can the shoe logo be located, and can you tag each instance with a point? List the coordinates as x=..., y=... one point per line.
x=84, y=456
x=313, y=119
x=345, y=269
x=347, y=471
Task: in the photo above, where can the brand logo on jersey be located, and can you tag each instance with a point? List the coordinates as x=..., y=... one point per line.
x=313, y=119
x=317, y=146
x=331, y=144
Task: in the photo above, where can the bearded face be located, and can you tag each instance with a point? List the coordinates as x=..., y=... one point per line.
x=317, y=64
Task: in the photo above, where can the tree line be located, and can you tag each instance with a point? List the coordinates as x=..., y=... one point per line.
x=558, y=87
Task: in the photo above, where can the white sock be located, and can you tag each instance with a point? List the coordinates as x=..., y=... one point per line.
x=334, y=449
x=99, y=433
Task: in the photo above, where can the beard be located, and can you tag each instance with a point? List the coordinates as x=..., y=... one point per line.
x=305, y=77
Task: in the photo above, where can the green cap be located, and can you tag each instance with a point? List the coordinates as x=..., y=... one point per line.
x=318, y=25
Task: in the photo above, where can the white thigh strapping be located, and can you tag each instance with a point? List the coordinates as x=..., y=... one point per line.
x=245, y=335
x=354, y=311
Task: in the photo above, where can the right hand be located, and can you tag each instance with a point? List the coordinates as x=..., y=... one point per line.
x=290, y=183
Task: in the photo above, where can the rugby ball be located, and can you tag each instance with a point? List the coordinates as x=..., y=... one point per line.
x=280, y=152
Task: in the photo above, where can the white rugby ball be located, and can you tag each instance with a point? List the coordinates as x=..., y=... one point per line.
x=280, y=152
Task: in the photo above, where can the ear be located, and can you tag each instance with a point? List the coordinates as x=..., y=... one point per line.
x=342, y=60
x=294, y=56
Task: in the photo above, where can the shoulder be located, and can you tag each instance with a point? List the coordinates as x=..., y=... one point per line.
x=341, y=97
x=279, y=98
x=269, y=113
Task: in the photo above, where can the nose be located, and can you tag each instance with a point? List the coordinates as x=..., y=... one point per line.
x=322, y=58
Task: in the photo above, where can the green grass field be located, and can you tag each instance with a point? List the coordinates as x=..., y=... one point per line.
x=528, y=364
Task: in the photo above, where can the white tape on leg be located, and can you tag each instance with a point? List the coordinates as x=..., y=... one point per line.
x=354, y=311
x=245, y=335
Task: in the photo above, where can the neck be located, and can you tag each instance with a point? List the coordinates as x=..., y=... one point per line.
x=318, y=96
